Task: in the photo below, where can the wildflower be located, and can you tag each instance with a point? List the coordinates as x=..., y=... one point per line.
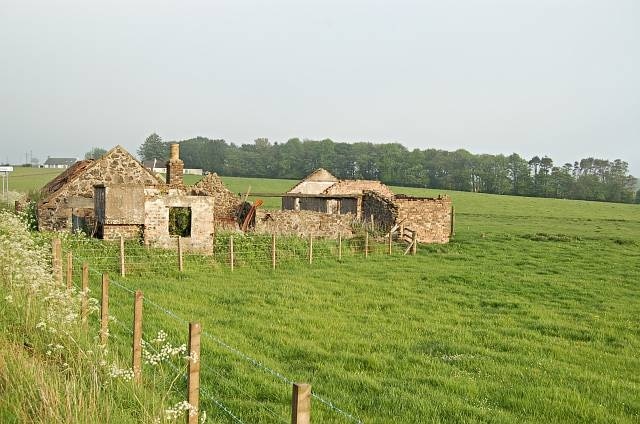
x=124, y=373
x=9, y=298
x=178, y=409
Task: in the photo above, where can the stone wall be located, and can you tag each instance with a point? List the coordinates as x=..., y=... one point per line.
x=72, y=191
x=156, y=225
x=303, y=223
x=128, y=232
x=384, y=210
x=430, y=217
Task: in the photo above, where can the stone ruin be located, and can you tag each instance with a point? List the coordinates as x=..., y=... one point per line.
x=116, y=196
x=364, y=201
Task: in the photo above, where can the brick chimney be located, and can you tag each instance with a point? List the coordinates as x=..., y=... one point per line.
x=175, y=166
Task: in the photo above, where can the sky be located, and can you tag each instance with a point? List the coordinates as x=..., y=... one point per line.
x=535, y=77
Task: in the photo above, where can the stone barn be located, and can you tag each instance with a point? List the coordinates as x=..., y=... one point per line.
x=67, y=201
x=321, y=192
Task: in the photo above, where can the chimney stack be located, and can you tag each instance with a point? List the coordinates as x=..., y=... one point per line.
x=175, y=166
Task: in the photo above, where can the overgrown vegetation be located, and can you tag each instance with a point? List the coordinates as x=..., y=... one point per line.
x=52, y=368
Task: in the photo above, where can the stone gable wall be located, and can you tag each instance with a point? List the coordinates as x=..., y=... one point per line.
x=117, y=167
x=431, y=218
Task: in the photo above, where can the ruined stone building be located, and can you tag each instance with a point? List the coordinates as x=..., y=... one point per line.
x=320, y=191
x=116, y=196
x=67, y=200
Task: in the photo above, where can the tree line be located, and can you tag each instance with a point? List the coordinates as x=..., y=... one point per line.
x=394, y=164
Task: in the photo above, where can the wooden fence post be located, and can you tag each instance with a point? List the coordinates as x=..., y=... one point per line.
x=453, y=215
x=339, y=246
x=104, y=310
x=366, y=244
x=414, y=241
x=310, y=249
x=301, y=404
x=69, y=270
x=137, y=336
x=122, y=270
x=85, y=294
x=180, y=264
x=56, y=259
x=231, y=258
x=193, y=375
x=401, y=233
x=273, y=251
x=390, y=242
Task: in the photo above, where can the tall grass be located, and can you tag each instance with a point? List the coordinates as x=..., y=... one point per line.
x=51, y=368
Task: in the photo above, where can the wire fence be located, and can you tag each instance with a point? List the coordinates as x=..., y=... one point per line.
x=239, y=250
x=238, y=386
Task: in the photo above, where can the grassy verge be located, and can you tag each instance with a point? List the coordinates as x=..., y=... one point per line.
x=52, y=368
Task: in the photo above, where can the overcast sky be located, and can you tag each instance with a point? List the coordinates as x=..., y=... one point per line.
x=553, y=77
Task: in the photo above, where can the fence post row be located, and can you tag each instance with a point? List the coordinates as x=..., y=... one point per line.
x=122, y=270
x=273, y=251
x=366, y=244
x=104, y=310
x=69, y=270
x=85, y=294
x=231, y=258
x=56, y=259
x=414, y=242
x=180, y=263
x=193, y=374
x=137, y=336
x=301, y=404
x=453, y=216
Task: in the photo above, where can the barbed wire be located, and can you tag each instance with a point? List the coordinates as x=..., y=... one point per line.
x=258, y=364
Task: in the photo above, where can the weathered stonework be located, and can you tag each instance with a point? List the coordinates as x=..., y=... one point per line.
x=303, y=223
x=430, y=217
x=68, y=199
x=322, y=194
x=156, y=222
x=383, y=210
x=227, y=203
x=175, y=167
x=359, y=187
x=128, y=232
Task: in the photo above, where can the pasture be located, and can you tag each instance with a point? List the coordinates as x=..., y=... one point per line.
x=530, y=314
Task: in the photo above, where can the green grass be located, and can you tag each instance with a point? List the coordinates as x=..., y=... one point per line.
x=25, y=179
x=531, y=314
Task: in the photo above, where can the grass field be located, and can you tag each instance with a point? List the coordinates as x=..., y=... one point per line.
x=531, y=314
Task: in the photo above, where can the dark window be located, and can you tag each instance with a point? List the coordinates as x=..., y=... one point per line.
x=180, y=222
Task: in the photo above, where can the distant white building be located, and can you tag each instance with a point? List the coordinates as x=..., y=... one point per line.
x=159, y=167
x=59, y=162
